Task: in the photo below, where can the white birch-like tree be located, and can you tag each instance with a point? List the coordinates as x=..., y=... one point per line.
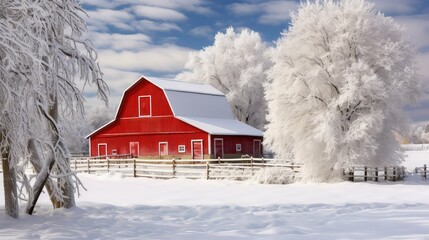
x=342, y=72
x=42, y=54
x=235, y=65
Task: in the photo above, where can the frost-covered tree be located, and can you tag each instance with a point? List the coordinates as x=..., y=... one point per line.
x=42, y=54
x=341, y=73
x=235, y=65
x=75, y=134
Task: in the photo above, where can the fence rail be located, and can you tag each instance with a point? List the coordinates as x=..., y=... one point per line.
x=422, y=171
x=232, y=169
x=376, y=174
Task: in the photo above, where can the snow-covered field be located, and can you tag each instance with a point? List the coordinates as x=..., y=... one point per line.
x=127, y=208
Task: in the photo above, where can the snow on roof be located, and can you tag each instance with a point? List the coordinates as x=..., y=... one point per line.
x=187, y=104
x=182, y=86
x=222, y=126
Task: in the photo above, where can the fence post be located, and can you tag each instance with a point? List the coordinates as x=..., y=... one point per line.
x=134, y=168
x=174, y=167
x=403, y=172
x=352, y=176
x=424, y=171
x=108, y=165
x=208, y=170
x=87, y=165
x=376, y=174
x=385, y=173
x=365, y=174
x=394, y=174
x=218, y=160
x=251, y=165
x=75, y=165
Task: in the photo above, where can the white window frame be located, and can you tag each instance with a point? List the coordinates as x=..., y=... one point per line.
x=150, y=105
x=159, y=148
x=184, y=149
x=98, y=149
x=238, y=147
x=223, y=147
x=192, y=147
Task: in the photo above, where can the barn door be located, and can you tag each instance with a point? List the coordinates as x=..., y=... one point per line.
x=134, y=149
x=218, y=143
x=197, y=149
x=102, y=149
x=163, y=149
x=256, y=148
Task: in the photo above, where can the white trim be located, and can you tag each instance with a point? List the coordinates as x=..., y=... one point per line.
x=214, y=142
x=138, y=148
x=89, y=140
x=166, y=97
x=184, y=148
x=159, y=148
x=192, y=147
x=98, y=149
x=260, y=145
x=89, y=135
x=209, y=144
x=236, y=147
x=150, y=105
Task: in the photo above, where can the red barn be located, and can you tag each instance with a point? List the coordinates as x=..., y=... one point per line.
x=162, y=118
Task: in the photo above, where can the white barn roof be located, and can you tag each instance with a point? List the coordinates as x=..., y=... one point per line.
x=222, y=126
x=203, y=107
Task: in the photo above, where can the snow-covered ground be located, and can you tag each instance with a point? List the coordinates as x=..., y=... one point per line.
x=128, y=208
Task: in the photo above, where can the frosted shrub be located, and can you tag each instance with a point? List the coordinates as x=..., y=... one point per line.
x=274, y=176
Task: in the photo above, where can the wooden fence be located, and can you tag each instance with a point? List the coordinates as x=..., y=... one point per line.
x=422, y=171
x=233, y=169
x=376, y=174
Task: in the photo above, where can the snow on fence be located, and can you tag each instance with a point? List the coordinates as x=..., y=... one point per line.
x=233, y=169
x=415, y=147
x=422, y=171
x=376, y=174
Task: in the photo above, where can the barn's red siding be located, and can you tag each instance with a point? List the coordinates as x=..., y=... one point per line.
x=149, y=144
x=129, y=104
x=161, y=126
x=229, y=145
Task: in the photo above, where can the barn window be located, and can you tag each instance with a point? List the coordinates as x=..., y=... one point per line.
x=182, y=149
x=145, y=106
x=238, y=147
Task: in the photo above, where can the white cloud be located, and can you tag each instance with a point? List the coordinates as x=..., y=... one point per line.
x=417, y=28
x=198, y=6
x=147, y=25
x=244, y=8
x=393, y=7
x=204, y=31
x=162, y=58
x=271, y=12
x=117, y=41
x=158, y=13
x=101, y=18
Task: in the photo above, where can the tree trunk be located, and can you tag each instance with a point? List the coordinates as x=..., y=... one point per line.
x=43, y=176
x=10, y=191
x=36, y=162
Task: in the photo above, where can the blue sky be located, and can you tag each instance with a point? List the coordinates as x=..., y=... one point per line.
x=154, y=37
